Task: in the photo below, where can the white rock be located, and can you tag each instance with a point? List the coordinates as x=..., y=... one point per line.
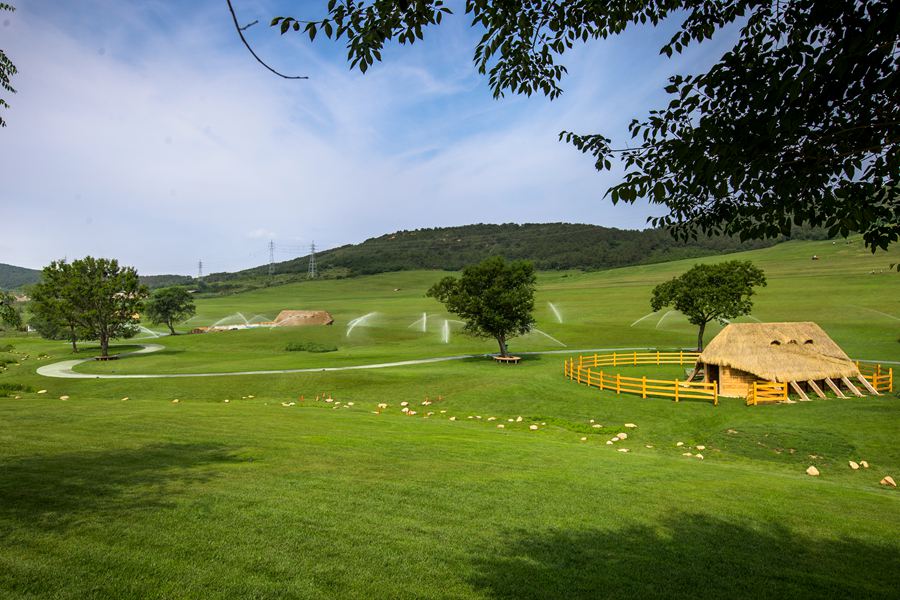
x=251, y=396
x=125, y=398
x=404, y=403
x=630, y=425
x=452, y=418
x=597, y=426
x=532, y=427
x=622, y=436
x=42, y=391
x=63, y=397
x=679, y=444
x=329, y=400
x=518, y=419
x=500, y=426
x=609, y=443
x=700, y=456
x=648, y=446
x=412, y=412
x=443, y=411
x=176, y=401
x=584, y=439
x=349, y=404
x=888, y=480
x=854, y=465
x=591, y=421
x=382, y=405
x=864, y=464
x=812, y=471
x=701, y=447
x=404, y=409
x=227, y=400
x=687, y=454
x=624, y=450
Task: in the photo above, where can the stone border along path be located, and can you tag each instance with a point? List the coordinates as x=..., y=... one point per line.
x=63, y=369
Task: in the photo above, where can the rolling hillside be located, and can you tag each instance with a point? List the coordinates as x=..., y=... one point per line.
x=12, y=277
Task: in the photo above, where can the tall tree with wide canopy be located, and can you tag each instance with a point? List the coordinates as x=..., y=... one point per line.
x=798, y=123
x=707, y=293
x=52, y=315
x=494, y=298
x=169, y=306
x=9, y=312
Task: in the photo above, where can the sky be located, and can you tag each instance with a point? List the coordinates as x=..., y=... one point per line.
x=143, y=130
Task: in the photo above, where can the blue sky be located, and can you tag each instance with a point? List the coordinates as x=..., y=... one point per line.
x=143, y=130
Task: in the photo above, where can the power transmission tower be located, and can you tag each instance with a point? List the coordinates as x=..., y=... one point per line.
x=312, y=273
x=199, y=270
x=271, y=258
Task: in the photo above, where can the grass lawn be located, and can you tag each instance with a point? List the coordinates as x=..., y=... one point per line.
x=102, y=497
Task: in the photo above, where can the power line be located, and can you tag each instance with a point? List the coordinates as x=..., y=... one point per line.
x=271, y=258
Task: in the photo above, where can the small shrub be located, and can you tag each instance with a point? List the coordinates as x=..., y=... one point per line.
x=6, y=389
x=7, y=348
x=309, y=347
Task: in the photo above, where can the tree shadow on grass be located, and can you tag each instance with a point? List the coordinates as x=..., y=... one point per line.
x=53, y=490
x=688, y=556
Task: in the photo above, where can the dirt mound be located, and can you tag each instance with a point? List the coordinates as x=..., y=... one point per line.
x=296, y=318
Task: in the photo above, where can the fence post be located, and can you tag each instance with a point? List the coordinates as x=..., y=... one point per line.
x=618, y=383
x=643, y=386
x=657, y=358
x=601, y=381
x=580, y=360
x=680, y=357
x=715, y=393
x=595, y=359
x=614, y=359
x=891, y=379
x=676, y=390
x=635, y=358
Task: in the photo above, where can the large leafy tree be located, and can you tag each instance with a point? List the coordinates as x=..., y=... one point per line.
x=52, y=315
x=799, y=122
x=494, y=298
x=9, y=312
x=94, y=297
x=169, y=306
x=710, y=292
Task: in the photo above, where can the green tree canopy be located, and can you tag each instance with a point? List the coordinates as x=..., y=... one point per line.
x=7, y=69
x=494, y=298
x=52, y=315
x=710, y=292
x=9, y=312
x=169, y=306
x=94, y=298
x=799, y=122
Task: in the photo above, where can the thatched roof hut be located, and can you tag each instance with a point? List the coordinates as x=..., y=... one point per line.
x=783, y=352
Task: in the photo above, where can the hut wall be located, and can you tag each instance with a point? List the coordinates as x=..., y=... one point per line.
x=734, y=382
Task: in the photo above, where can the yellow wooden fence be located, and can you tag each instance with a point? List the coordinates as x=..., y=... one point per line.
x=584, y=370
x=880, y=378
x=767, y=391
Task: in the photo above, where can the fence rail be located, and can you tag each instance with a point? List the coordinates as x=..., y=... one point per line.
x=881, y=379
x=767, y=391
x=584, y=371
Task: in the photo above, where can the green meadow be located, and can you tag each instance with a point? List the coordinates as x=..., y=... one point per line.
x=250, y=487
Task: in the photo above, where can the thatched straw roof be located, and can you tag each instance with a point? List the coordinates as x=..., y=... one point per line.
x=779, y=352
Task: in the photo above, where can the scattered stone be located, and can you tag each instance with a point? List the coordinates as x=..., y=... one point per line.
x=687, y=454
x=176, y=401
x=630, y=425
x=700, y=456
x=511, y=420
x=679, y=444
x=732, y=431
x=608, y=443
x=532, y=427
x=624, y=450
x=426, y=403
x=349, y=404
x=478, y=417
x=812, y=471
x=405, y=409
x=470, y=417
x=329, y=400
x=63, y=397
x=700, y=447
x=596, y=425
x=591, y=421
x=443, y=411
x=614, y=440
x=518, y=419
x=410, y=413
x=430, y=413
x=648, y=446
x=584, y=439
x=864, y=464
x=544, y=424
x=492, y=418
x=382, y=405
x=622, y=436
x=227, y=400
x=452, y=418
x=42, y=391
x=854, y=465
x=500, y=426
x=404, y=403
x=125, y=398
x=251, y=397
x=888, y=480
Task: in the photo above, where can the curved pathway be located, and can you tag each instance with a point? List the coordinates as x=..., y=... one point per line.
x=64, y=368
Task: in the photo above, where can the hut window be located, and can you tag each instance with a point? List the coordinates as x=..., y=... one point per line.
x=775, y=343
x=808, y=342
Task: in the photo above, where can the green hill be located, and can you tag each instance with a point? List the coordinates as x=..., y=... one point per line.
x=551, y=246
x=12, y=277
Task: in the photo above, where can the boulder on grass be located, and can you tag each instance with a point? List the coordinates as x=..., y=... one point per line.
x=854, y=465
x=811, y=470
x=888, y=480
